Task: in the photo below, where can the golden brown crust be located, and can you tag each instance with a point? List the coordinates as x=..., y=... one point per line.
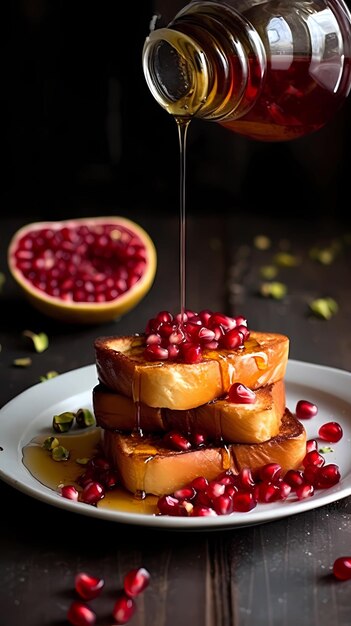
x=147, y=465
x=122, y=368
x=218, y=420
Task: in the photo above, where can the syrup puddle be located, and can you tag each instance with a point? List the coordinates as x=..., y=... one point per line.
x=52, y=473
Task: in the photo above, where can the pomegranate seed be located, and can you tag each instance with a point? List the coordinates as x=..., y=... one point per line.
x=304, y=491
x=202, y=499
x=218, y=319
x=270, y=472
x=198, y=439
x=136, y=581
x=284, y=489
x=310, y=474
x=79, y=614
x=154, y=352
x=331, y=432
x=164, y=317
x=245, y=478
x=92, y=493
x=123, y=609
x=244, y=501
x=204, y=511
x=88, y=587
x=99, y=463
x=240, y=394
x=215, y=489
x=267, y=492
x=153, y=339
x=200, y=483
x=69, y=492
x=177, y=441
x=173, y=352
x=206, y=335
x=311, y=445
x=294, y=478
x=166, y=329
x=313, y=458
x=205, y=316
x=327, y=476
x=223, y=505
x=187, y=493
x=305, y=410
x=342, y=568
x=191, y=353
x=167, y=505
x=232, y=339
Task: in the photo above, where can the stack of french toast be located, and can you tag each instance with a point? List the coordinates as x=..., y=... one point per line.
x=194, y=398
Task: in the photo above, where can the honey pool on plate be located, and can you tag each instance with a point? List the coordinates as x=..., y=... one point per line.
x=54, y=474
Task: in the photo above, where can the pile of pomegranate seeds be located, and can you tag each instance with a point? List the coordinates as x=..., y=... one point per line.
x=183, y=337
x=97, y=478
x=230, y=493
x=88, y=587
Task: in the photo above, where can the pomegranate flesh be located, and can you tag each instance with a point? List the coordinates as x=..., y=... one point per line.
x=83, y=270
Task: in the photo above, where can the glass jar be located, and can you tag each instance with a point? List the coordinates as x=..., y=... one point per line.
x=271, y=70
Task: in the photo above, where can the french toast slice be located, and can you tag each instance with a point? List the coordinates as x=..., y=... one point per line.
x=121, y=366
x=146, y=465
x=219, y=420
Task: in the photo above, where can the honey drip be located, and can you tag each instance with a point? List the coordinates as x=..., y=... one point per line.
x=53, y=474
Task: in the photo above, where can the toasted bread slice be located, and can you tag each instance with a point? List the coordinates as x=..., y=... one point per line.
x=121, y=366
x=219, y=420
x=145, y=465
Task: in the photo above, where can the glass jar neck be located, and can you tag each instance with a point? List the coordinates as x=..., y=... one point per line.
x=204, y=65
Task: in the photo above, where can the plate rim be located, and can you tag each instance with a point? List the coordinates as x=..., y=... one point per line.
x=79, y=379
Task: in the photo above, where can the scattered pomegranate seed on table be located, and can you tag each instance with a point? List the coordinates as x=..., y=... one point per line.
x=136, y=581
x=79, y=614
x=88, y=587
x=123, y=609
x=342, y=568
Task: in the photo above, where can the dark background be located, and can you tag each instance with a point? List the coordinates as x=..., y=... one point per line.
x=81, y=133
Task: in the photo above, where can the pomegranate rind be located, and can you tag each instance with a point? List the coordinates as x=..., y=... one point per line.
x=85, y=312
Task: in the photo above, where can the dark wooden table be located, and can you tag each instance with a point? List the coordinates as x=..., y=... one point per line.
x=277, y=573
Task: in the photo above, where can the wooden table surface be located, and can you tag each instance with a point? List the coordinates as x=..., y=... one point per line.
x=276, y=573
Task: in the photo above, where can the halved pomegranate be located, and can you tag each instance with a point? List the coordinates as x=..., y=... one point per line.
x=85, y=270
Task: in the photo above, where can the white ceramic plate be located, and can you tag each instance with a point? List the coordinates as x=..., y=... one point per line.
x=29, y=413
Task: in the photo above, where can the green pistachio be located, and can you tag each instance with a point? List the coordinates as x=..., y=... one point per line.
x=326, y=449
x=325, y=256
x=84, y=418
x=286, y=259
x=274, y=290
x=40, y=341
x=23, y=362
x=50, y=443
x=324, y=307
x=83, y=461
x=63, y=422
x=268, y=272
x=48, y=376
x=60, y=453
